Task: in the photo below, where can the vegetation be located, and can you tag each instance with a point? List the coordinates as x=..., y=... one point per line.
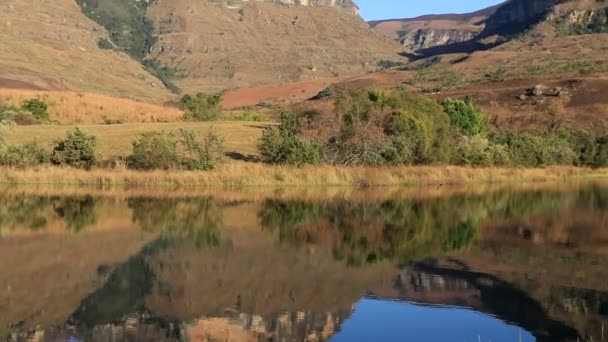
x=77, y=149
x=31, y=111
x=165, y=150
x=402, y=128
x=130, y=30
x=202, y=107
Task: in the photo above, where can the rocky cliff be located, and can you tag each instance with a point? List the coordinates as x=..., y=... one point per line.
x=517, y=15
x=434, y=30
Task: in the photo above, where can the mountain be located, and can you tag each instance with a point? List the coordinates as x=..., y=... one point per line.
x=51, y=45
x=215, y=45
x=433, y=30
x=143, y=49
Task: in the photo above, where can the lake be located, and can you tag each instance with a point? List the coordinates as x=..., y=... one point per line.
x=427, y=264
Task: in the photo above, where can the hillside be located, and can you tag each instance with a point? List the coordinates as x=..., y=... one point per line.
x=433, y=30
x=51, y=45
x=213, y=46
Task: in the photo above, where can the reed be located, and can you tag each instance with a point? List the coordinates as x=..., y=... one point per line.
x=242, y=175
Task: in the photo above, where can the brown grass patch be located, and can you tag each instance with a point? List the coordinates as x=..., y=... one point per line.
x=84, y=108
x=259, y=175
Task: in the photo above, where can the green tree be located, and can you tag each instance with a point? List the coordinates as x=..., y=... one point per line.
x=465, y=116
x=77, y=149
x=202, y=107
x=38, y=108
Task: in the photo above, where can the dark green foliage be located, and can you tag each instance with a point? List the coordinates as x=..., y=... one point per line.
x=202, y=107
x=537, y=150
x=77, y=149
x=31, y=112
x=461, y=236
x=154, y=150
x=126, y=22
x=77, y=213
x=22, y=156
x=199, y=220
x=163, y=73
x=181, y=150
x=131, y=31
x=281, y=145
x=38, y=108
x=465, y=116
x=105, y=44
x=479, y=151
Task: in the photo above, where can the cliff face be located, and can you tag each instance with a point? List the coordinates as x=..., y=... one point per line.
x=218, y=45
x=346, y=5
x=516, y=15
x=434, y=30
x=426, y=38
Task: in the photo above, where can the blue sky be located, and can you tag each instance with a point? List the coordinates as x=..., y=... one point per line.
x=391, y=9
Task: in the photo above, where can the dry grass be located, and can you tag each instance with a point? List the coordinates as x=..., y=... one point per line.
x=115, y=140
x=84, y=108
x=259, y=175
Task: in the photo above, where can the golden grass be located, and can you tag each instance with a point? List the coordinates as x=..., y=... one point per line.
x=115, y=140
x=85, y=108
x=237, y=174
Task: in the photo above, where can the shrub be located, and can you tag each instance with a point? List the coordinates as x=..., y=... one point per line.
x=181, y=150
x=22, y=156
x=534, y=150
x=465, y=116
x=398, y=151
x=153, y=150
x=38, y=108
x=77, y=149
x=200, y=155
x=202, y=107
x=281, y=145
x=478, y=151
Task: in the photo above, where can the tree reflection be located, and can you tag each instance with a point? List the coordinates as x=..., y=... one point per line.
x=199, y=220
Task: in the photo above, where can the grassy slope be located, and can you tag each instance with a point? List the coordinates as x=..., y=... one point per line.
x=87, y=108
x=52, y=45
x=115, y=140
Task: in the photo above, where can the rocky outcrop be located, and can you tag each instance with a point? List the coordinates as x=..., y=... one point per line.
x=426, y=38
x=517, y=15
x=434, y=30
x=347, y=5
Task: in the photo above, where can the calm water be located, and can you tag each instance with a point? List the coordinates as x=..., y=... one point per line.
x=497, y=266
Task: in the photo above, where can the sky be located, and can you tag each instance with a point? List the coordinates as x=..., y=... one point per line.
x=392, y=9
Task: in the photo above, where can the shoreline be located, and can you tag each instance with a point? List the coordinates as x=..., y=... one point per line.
x=242, y=175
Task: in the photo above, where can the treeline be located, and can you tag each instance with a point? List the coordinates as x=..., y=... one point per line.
x=403, y=128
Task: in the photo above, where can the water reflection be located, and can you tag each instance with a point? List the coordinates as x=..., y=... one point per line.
x=524, y=265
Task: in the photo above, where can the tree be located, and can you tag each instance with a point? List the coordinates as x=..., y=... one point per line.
x=77, y=149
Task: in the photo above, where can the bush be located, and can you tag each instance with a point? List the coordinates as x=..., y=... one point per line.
x=38, y=108
x=536, y=150
x=77, y=149
x=202, y=107
x=281, y=145
x=22, y=156
x=181, y=150
x=478, y=151
x=153, y=150
x=465, y=116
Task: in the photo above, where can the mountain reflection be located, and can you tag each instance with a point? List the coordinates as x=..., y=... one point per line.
x=292, y=270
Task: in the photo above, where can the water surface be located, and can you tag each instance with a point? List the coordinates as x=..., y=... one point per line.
x=501, y=265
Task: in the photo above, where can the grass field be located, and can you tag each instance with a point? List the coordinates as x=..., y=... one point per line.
x=115, y=140
x=69, y=107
